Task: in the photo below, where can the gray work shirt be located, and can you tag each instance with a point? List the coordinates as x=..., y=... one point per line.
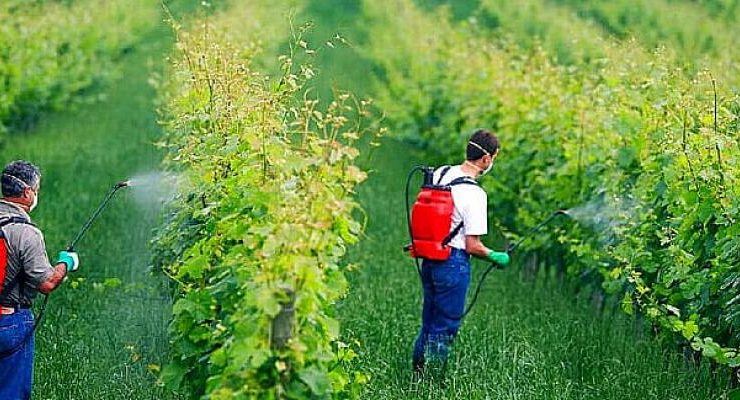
x=28, y=264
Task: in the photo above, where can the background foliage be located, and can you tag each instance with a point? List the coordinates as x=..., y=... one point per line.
x=50, y=51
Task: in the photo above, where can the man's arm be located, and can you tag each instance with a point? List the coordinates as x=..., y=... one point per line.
x=475, y=247
x=60, y=271
x=42, y=276
x=474, y=211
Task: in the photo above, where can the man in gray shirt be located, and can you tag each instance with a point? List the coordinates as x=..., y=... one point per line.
x=25, y=267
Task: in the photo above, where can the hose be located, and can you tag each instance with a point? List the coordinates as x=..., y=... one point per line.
x=510, y=250
x=408, y=212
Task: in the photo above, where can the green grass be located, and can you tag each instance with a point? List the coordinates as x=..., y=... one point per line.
x=97, y=340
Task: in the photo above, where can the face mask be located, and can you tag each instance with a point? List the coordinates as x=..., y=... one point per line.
x=34, y=203
x=487, y=170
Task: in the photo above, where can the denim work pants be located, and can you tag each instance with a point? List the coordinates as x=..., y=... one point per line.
x=445, y=286
x=16, y=370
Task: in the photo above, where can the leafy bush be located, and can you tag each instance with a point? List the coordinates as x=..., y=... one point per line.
x=255, y=240
x=51, y=51
x=699, y=38
x=575, y=32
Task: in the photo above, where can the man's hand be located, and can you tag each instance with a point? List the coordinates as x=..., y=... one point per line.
x=70, y=259
x=499, y=257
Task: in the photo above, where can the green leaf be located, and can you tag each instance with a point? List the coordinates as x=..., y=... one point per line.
x=112, y=283
x=268, y=301
x=173, y=374
x=689, y=329
x=317, y=380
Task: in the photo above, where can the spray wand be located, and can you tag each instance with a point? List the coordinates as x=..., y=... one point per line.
x=530, y=234
x=96, y=214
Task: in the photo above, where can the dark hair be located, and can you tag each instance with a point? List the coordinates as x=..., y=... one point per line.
x=15, y=171
x=484, y=139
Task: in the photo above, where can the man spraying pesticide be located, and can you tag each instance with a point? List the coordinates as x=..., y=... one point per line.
x=446, y=225
x=24, y=271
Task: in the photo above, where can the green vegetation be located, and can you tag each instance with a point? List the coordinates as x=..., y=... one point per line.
x=685, y=26
x=254, y=244
x=278, y=270
x=727, y=10
x=50, y=52
x=577, y=32
x=637, y=141
x=535, y=23
x=690, y=30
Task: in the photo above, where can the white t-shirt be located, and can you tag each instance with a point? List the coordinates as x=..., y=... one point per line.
x=471, y=206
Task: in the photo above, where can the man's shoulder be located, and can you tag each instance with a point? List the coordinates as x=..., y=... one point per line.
x=23, y=228
x=472, y=188
x=447, y=173
x=470, y=193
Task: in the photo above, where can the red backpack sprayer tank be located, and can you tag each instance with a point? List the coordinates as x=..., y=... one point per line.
x=70, y=247
x=429, y=222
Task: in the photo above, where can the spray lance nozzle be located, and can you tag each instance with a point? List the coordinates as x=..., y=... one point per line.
x=122, y=184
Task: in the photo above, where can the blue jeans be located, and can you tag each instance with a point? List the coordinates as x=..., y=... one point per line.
x=445, y=287
x=16, y=370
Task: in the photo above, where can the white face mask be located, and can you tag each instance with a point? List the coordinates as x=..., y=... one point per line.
x=35, y=202
x=488, y=169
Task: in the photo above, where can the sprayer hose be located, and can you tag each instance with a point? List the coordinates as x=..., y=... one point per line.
x=408, y=213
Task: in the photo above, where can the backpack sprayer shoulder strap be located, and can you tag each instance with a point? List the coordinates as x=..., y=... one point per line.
x=463, y=180
x=443, y=171
x=14, y=220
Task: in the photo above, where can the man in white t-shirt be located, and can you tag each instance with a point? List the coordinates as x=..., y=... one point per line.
x=446, y=282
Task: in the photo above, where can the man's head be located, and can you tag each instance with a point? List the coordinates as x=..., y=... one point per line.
x=21, y=181
x=482, y=150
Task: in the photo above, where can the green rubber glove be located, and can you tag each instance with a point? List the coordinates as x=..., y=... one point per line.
x=69, y=258
x=499, y=257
